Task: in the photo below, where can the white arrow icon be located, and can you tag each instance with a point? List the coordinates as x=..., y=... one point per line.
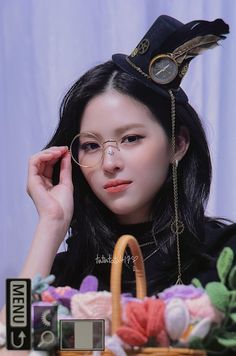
x=21, y=336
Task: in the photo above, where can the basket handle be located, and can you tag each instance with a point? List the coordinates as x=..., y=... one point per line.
x=116, y=270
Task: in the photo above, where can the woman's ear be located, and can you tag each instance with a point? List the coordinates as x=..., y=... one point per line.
x=182, y=142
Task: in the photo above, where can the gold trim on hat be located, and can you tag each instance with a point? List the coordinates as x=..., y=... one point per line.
x=142, y=48
x=137, y=68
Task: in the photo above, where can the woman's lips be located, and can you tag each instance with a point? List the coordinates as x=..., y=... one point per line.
x=115, y=186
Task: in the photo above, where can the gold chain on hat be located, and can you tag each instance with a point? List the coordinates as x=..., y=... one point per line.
x=177, y=226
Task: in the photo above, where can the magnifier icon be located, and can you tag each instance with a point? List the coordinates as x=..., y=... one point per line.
x=47, y=338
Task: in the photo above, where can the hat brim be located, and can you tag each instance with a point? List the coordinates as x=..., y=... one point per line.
x=120, y=60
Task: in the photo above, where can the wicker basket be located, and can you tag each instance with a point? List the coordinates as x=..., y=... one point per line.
x=141, y=291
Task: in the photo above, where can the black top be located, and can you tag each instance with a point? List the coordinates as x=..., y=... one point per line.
x=161, y=271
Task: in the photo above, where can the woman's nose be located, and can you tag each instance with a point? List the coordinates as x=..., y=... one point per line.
x=112, y=159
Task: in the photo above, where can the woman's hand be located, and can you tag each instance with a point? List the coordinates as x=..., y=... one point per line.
x=53, y=202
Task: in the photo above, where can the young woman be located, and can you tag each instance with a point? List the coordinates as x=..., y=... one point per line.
x=130, y=156
x=140, y=165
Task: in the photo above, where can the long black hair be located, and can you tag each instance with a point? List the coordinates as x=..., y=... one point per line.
x=93, y=227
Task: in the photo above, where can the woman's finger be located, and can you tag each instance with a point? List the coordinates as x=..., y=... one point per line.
x=48, y=151
x=46, y=169
x=44, y=161
x=66, y=169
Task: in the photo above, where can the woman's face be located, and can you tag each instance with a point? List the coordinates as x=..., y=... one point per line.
x=141, y=163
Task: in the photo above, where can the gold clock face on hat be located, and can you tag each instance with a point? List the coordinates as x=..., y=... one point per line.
x=163, y=69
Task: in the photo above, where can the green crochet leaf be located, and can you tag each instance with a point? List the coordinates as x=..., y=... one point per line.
x=233, y=317
x=229, y=341
x=49, y=279
x=218, y=294
x=210, y=342
x=232, y=278
x=224, y=263
x=232, y=299
x=40, y=284
x=196, y=282
x=35, y=281
x=42, y=287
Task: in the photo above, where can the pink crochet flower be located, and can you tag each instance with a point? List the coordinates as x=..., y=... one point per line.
x=93, y=305
x=200, y=308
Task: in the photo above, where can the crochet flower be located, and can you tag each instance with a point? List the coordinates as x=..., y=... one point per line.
x=177, y=318
x=180, y=291
x=189, y=317
x=200, y=308
x=125, y=299
x=144, y=321
x=93, y=305
x=61, y=295
x=198, y=330
x=89, y=284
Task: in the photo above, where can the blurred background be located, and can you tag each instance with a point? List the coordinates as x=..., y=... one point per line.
x=46, y=45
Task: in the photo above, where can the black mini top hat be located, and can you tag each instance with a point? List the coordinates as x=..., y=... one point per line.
x=161, y=58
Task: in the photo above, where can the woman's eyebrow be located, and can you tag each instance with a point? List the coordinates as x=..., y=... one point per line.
x=119, y=130
x=124, y=128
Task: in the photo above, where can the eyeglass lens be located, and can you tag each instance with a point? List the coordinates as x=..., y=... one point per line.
x=86, y=149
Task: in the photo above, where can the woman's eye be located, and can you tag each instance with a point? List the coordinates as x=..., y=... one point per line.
x=131, y=138
x=89, y=146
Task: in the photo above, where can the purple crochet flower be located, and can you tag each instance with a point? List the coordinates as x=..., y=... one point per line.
x=181, y=291
x=89, y=284
x=62, y=295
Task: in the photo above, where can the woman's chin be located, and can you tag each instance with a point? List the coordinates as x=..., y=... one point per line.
x=128, y=215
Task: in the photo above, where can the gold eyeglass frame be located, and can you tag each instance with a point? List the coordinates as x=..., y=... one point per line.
x=102, y=145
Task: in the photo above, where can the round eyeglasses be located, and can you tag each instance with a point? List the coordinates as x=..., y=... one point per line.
x=87, y=149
